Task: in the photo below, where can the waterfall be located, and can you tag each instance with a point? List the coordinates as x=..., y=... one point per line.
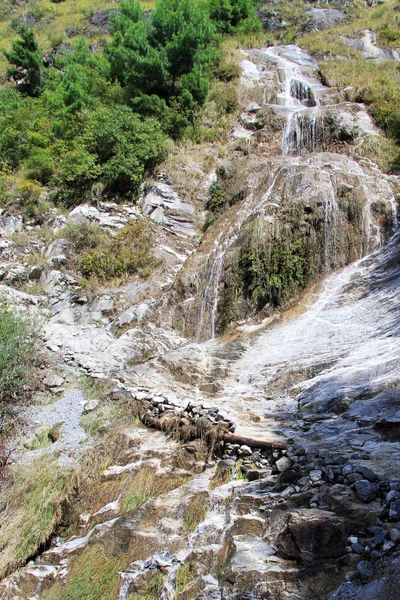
x=209, y=305
x=299, y=99
x=304, y=132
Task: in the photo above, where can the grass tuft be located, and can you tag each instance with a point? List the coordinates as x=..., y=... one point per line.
x=27, y=525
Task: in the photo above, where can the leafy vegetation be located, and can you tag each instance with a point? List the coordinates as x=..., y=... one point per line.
x=83, y=121
x=18, y=359
x=184, y=576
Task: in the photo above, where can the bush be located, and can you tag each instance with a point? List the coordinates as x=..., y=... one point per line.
x=128, y=253
x=18, y=359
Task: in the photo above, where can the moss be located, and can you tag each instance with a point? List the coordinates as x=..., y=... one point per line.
x=93, y=575
x=195, y=512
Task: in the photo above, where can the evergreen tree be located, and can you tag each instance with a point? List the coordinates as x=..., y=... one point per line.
x=25, y=62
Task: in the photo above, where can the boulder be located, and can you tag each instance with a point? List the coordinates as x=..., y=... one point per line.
x=312, y=534
x=101, y=20
x=60, y=246
x=365, y=490
x=17, y=274
x=10, y=224
x=322, y=18
x=271, y=20
x=394, y=511
x=283, y=463
x=90, y=405
x=163, y=205
x=57, y=261
x=60, y=50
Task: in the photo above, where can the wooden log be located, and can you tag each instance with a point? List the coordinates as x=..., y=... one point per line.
x=244, y=441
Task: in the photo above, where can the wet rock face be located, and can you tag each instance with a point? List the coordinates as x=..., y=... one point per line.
x=285, y=233
x=310, y=535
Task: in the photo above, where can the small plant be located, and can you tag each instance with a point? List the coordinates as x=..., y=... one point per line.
x=93, y=575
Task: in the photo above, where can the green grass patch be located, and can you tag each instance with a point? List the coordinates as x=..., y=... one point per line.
x=34, y=507
x=93, y=575
x=195, y=512
x=184, y=576
x=146, y=483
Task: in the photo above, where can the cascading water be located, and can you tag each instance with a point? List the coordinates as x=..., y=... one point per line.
x=299, y=99
x=209, y=306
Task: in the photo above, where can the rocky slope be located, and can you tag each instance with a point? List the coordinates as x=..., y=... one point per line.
x=268, y=467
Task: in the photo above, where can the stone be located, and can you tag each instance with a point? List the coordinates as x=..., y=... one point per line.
x=358, y=548
x=104, y=305
x=162, y=204
x=392, y=496
x=366, y=473
x=10, y=224
x=57, y=261
x=245, y=451
x=394, y=510
x=62, y=49
x=347, y=469
x=60, y=246
x=55, y=432
x=378, y=539
x=271, y=20
x=311, y=534
x=365, y=490
x=52, y=380
x=315, y=475
x=366, y=44
x=90, y=405
x=283, y=463
x=365, y=569
x=17, y=274
x=322, y=18
x=101, y=20
x=395, y=535
x=35, y=273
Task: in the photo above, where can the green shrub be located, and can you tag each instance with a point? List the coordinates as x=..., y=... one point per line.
x=18, y=358
x=128, y=253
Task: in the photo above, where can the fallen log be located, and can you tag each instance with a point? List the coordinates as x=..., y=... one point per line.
x=244, y=441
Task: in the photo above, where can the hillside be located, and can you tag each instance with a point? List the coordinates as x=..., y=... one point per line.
x=199, y=300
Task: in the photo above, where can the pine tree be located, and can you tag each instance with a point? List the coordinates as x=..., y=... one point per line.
x=25, y=63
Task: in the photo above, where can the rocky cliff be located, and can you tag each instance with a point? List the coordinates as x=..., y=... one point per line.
x=241, y=437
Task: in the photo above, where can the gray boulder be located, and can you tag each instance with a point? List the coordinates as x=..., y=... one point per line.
x=322, y=18
x=312, y=534
x=365, y=490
